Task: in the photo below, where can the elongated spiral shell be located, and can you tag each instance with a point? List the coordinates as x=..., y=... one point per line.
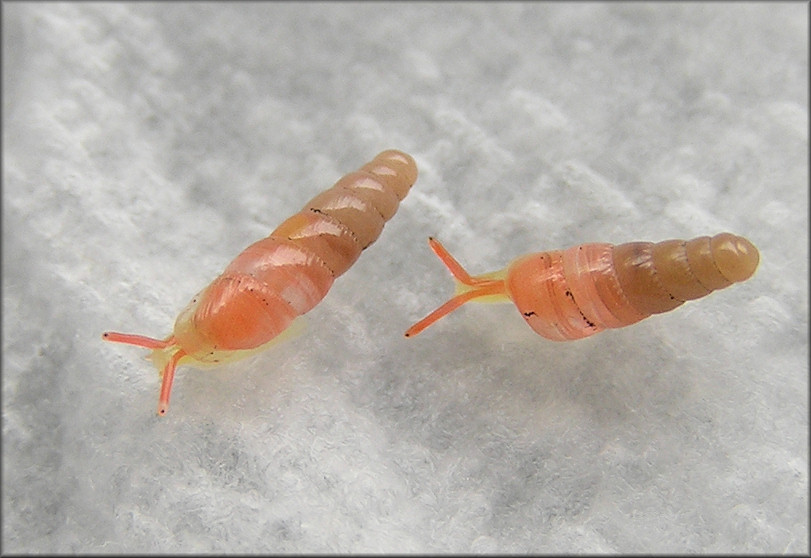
x=286, y=274
x=577, y=292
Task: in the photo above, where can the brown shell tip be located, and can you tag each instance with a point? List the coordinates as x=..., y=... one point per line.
x=736, y=257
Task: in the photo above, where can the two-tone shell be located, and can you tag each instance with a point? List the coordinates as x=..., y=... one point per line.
x=574, y=293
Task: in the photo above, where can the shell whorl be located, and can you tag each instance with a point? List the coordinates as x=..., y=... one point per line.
x=339, y=223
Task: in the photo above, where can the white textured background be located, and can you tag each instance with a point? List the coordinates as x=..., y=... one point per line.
x=145, y=145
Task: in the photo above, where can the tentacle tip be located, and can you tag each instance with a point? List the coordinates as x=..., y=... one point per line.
x=413, y=331
x=162, y=409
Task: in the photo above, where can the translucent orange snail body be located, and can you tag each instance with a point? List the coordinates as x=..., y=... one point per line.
x=284, y=275
x=571, y=294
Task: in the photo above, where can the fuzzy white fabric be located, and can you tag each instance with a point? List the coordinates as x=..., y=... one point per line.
x=146, y=145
